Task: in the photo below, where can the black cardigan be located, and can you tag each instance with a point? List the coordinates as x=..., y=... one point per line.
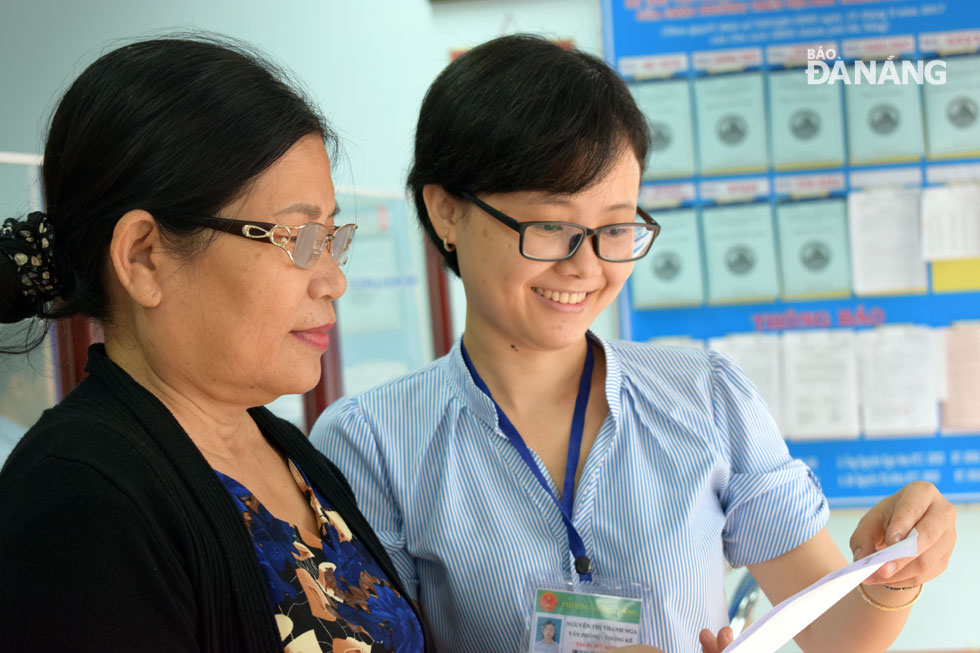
x=116, y=535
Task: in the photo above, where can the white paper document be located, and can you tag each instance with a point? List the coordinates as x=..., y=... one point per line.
x=886, y=248
x=784, y=621
x=951, y=222
x=899, y=385
x=820, y=397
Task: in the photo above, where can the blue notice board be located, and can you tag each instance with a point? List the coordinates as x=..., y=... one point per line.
x=749, y=131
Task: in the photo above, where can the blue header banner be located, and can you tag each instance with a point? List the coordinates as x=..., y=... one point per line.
x=641, y=28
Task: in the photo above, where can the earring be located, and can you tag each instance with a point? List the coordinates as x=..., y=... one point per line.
x=448, y=246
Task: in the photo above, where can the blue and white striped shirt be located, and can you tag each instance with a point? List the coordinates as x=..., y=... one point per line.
x=687, y=469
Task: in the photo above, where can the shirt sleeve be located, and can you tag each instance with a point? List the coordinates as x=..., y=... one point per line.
x=81, y=569
x=772, y=502
x=344, y=435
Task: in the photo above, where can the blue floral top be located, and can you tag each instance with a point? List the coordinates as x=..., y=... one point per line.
x=326, y=591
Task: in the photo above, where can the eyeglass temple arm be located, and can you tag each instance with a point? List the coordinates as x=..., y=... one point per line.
x=646, y=216
x=234, y=227
x=494, y=213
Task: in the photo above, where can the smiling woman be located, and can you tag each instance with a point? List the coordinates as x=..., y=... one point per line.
x=535, y=448
x=190, y=209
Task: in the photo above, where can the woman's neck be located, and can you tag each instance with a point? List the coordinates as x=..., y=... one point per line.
x=219, y=429
x=521, y=378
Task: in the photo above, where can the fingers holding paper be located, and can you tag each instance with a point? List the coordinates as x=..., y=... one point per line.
x=918, y=505
x=711, y=643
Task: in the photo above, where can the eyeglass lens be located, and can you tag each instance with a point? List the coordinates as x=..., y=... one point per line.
x=556, y=240
x=311, y=239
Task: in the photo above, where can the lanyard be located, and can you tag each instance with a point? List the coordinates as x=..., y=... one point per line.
x=582, y=563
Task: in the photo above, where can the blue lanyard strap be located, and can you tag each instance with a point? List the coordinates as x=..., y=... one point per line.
x=583, y=565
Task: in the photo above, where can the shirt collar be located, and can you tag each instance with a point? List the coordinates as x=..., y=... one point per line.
x=464, y=387
x=614, y=376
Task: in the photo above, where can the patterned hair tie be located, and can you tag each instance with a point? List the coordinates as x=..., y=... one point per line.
x=28, y=243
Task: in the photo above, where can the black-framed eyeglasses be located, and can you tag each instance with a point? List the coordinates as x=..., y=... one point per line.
x=557, y=241
x=303, y=243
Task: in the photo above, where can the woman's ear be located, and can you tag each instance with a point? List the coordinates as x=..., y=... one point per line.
x=134, y=257
x=444, y=211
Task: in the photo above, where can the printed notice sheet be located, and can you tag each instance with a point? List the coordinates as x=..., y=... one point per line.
x=821, y=395
x=951, y=222
x=899, y=385
x=813, y=248
x=731, y=113
x=953, y=111
x=805, y=122
x=961, y=410
x=741, y=253
x=784, y=621
x=884, y=122
x=667, y=106
x=886, y=246
x=670, y=274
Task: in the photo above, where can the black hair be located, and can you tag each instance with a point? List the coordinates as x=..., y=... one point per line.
x=174, y=126
x=520, y=113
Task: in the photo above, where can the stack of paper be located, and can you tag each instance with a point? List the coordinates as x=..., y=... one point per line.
x=787, y=619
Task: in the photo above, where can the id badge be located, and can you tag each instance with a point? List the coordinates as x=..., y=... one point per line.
x=566, y=615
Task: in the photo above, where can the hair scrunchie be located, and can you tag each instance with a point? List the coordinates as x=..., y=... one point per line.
x=29, y=244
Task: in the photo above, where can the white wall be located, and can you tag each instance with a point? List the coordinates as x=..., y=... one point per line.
x=368, y=65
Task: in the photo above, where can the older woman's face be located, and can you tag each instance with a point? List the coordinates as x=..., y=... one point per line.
x=243, y=320
x=543, y=305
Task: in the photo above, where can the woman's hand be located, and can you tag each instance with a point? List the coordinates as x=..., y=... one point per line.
x=918, y=505
x=716, y=644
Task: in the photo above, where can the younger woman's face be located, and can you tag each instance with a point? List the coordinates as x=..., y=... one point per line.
x=536, y=304
x=548, y=632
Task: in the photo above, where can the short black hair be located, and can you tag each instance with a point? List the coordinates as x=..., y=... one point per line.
x=174, y=126
x=520, y=113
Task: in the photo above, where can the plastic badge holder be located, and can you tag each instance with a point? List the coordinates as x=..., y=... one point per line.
x=567, y=615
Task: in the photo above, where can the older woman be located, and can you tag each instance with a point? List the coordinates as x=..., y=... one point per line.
x=535, y=447
x=189, y=209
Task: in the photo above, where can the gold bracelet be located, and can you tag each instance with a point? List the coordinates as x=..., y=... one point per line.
x=888, y=608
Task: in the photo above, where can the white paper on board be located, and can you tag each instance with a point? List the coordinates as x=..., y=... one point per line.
x=885, y=236
x=784, y=621
x=820, y=376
